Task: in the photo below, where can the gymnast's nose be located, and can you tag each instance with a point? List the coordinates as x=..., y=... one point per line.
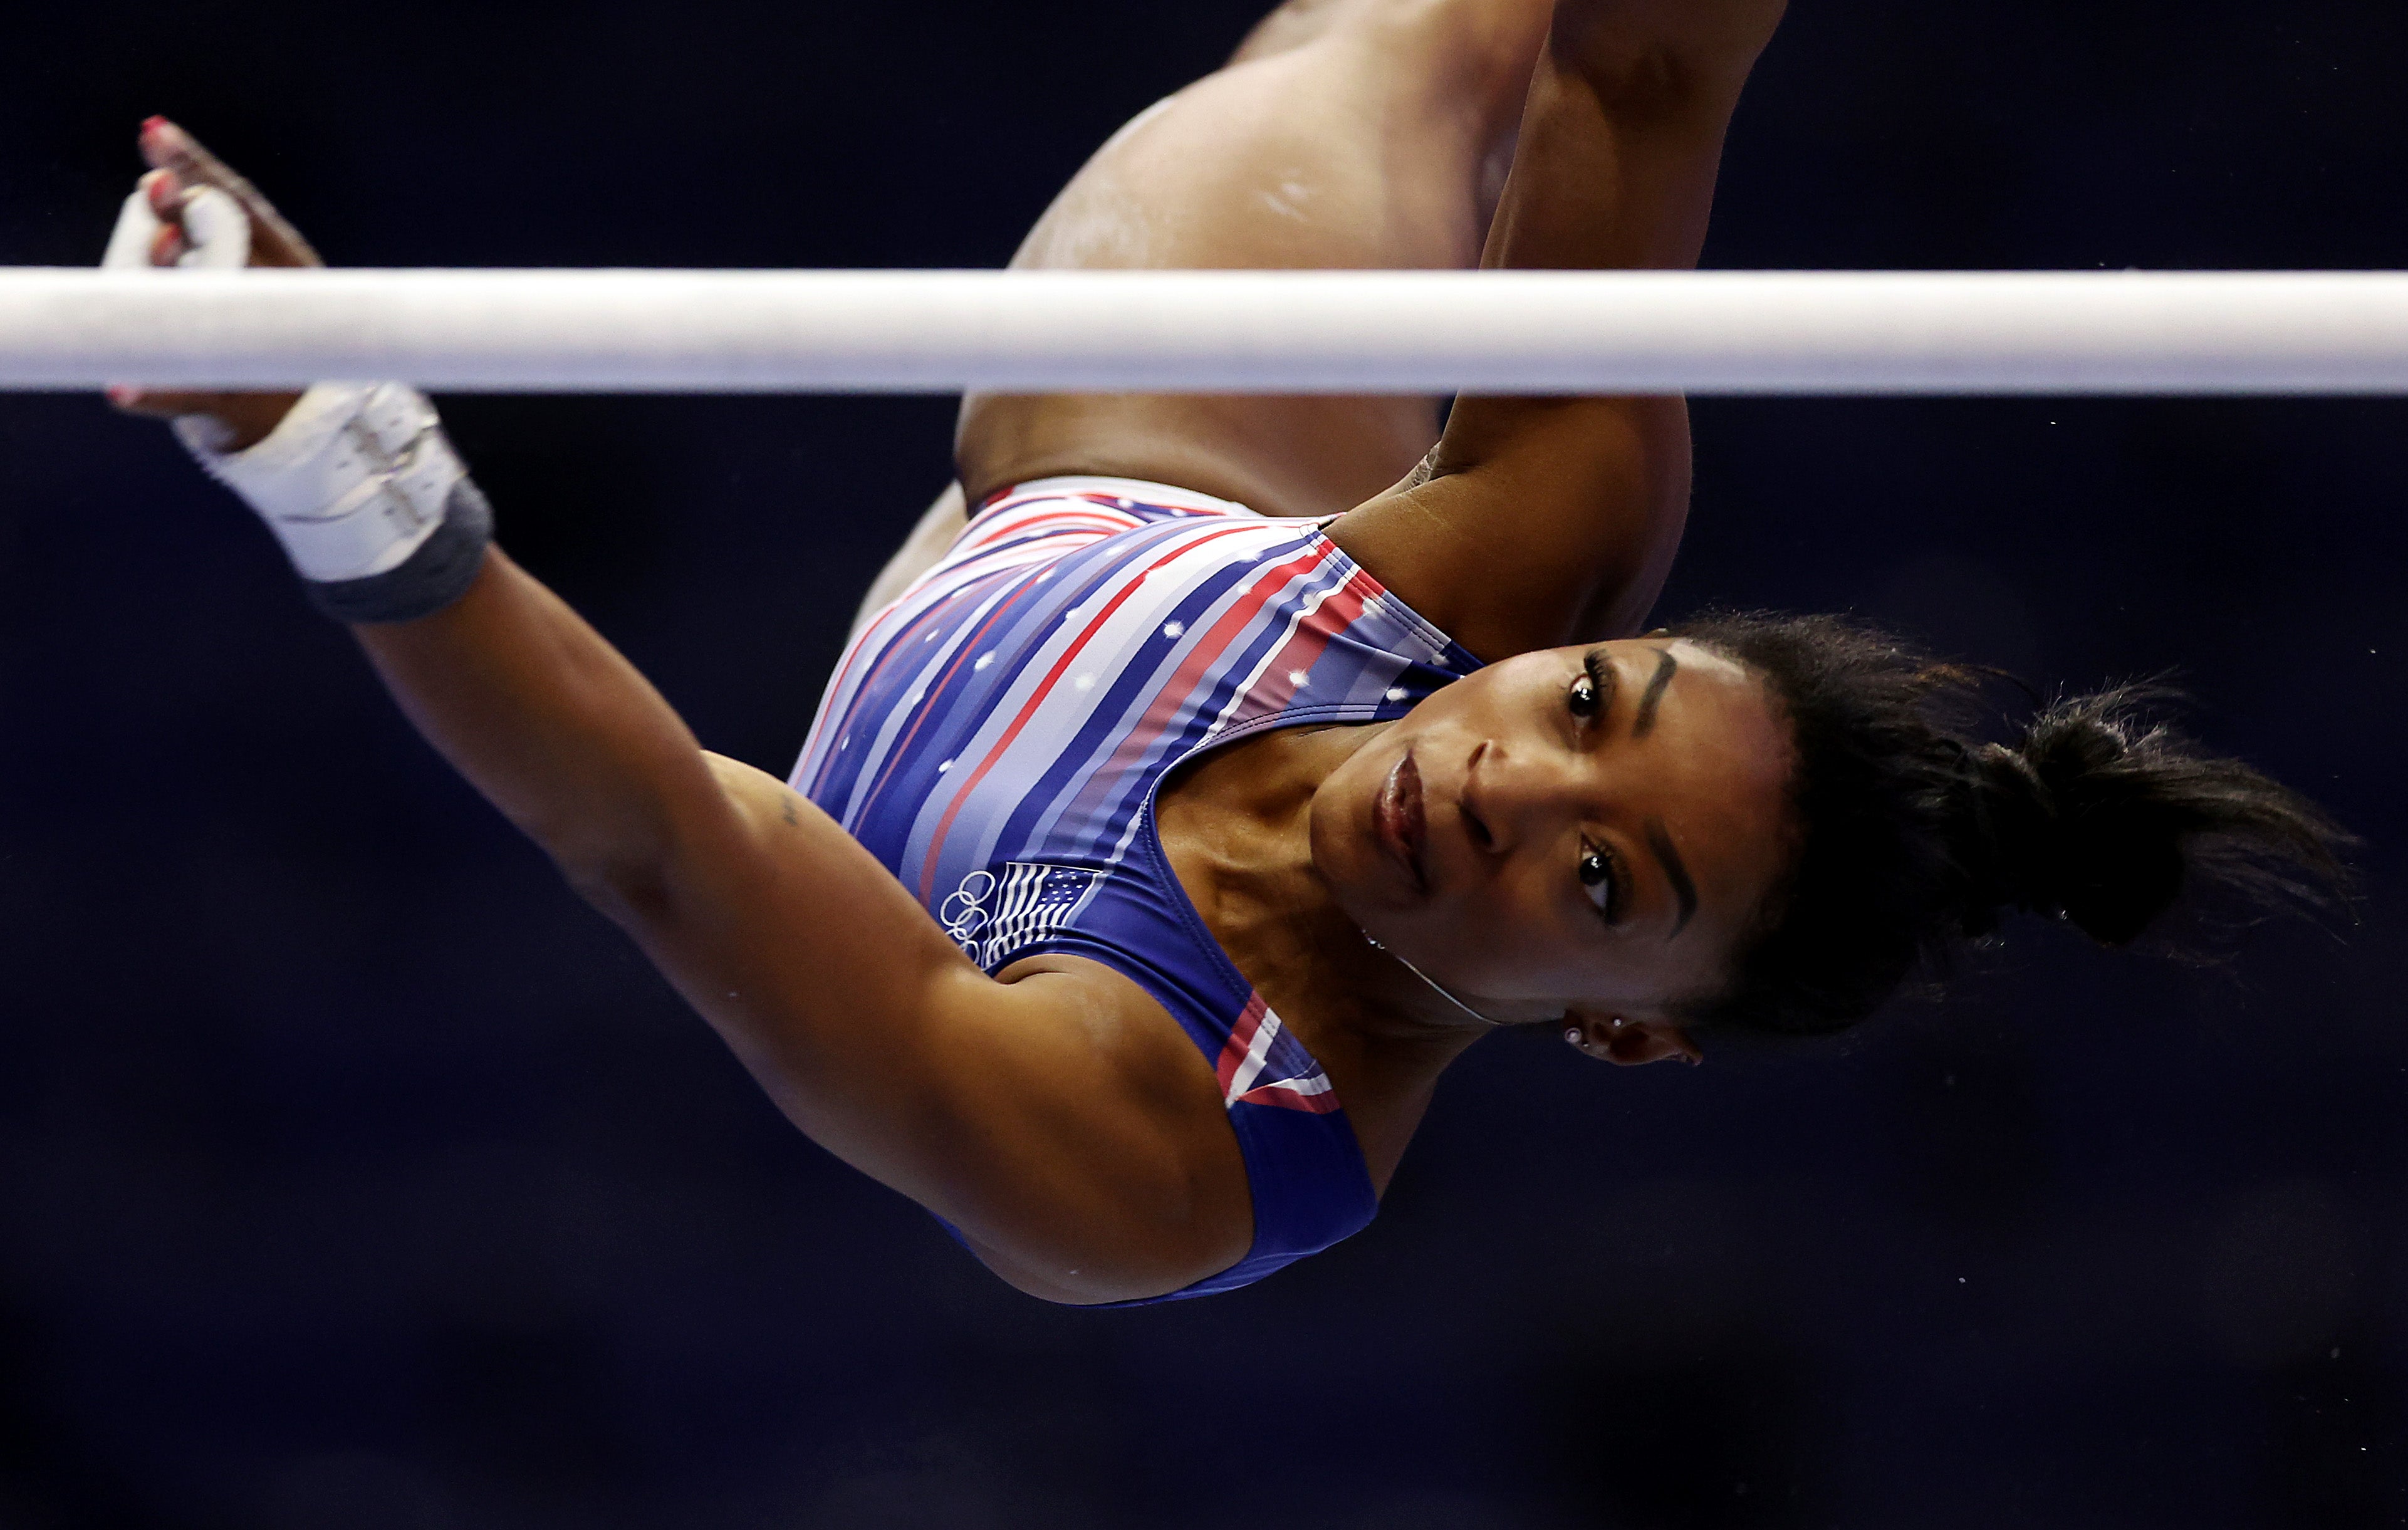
x=1510, y=797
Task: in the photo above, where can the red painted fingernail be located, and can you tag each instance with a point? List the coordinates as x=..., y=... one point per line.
x=152, y=124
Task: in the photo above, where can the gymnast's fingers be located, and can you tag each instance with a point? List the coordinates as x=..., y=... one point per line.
x=222, y=421
x=274, y=242
x=241, y=420
x=164, y=195
x=160, y=404
x=150, y=232
x=191, y=210
x=167, y=223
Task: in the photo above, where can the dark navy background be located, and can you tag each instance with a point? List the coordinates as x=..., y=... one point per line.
x=354, y=1175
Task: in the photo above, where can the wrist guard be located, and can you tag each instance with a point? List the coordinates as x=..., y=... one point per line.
x=367, y=494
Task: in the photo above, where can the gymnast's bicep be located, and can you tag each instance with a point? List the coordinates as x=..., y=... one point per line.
x=1061, y=1120
x=1106, y=1168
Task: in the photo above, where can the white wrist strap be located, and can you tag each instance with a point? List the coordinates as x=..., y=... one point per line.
x=353, y=481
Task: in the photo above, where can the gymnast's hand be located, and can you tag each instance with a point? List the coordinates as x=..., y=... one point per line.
x=200, y=212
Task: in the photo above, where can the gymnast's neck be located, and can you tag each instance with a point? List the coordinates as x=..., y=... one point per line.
x=1235, y=825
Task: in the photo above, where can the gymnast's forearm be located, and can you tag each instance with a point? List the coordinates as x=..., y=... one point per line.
x=841, y=997
x=1662, y=51
x=737, y=889
x=1571, y=508
x=1623, y=130
x=1614, y=168
x=551, y=722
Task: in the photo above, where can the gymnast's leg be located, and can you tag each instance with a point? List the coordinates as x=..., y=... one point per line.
x=1346, y=134
x=1361, y=134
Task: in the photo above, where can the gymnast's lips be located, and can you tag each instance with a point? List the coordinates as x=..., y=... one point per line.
x=1396, y=816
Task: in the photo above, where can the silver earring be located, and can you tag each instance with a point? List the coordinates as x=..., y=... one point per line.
x=1572, y=1036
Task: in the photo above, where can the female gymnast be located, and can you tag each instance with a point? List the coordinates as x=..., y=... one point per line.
x=1229, y=762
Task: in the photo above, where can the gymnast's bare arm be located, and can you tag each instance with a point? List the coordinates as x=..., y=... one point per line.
x=1541, y=521
x=1059, y=1119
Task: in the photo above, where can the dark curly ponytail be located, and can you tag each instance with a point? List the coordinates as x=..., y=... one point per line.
x=1913, y=834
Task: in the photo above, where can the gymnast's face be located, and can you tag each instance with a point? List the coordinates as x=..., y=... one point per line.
x=1583, y=832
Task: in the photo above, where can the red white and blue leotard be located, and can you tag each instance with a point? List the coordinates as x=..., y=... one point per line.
x=996, y=735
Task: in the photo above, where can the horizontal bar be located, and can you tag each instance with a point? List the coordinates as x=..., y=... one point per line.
x=1409, y=331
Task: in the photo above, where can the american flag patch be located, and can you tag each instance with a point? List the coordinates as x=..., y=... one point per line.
x=996, y=913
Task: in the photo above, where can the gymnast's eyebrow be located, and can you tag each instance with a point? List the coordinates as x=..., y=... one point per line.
x=1645, y=719
x=1674, y=872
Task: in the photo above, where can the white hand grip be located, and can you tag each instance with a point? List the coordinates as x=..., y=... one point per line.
x=352, y=481
x=216, y=234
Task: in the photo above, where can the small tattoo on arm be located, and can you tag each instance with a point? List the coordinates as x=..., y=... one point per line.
x=792, y=821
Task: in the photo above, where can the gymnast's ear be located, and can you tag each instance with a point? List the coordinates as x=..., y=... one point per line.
x=1629, y=1041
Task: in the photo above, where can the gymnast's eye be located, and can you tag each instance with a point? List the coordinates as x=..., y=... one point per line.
x=1592, y=691
x=1601, y=878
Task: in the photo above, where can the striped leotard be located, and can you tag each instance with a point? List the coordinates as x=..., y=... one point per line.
x=996, y=735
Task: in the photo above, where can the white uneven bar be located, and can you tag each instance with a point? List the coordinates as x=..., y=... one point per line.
x=1716, y=332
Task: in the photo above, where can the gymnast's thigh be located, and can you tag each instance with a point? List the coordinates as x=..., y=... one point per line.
x=1366, y=146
